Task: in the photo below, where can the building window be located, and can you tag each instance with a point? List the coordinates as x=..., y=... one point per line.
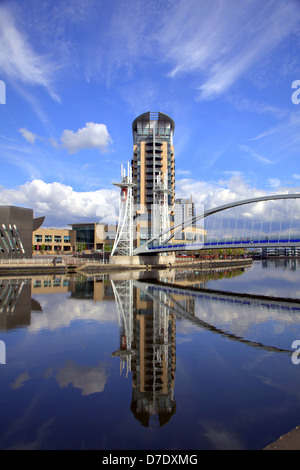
x=67, y=239
x=38, y=238
x=48, y=238
x=57, y=239
x=85, y=237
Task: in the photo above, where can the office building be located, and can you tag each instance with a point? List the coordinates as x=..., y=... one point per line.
x=82, y=237
x=53, y=241
x=153, y=168
x=184, y=211
x=93, y=236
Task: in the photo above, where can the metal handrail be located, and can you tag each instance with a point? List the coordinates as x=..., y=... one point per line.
x=35, y=261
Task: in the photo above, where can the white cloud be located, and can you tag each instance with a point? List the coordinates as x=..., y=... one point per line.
x=61, y=204
x=255, y=155
x=216, y=193
x=274, y=182
x=19, y=61
x=207, y=39
x=29, y=136
x=284, y=137
x=93, y=135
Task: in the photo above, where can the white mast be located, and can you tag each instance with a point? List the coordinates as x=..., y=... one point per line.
x=123, y=244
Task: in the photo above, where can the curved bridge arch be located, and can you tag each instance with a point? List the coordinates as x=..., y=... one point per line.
x=145, y=248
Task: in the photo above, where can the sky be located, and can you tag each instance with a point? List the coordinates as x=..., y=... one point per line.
x=76, y=73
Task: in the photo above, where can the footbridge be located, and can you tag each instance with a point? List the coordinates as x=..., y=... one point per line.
x=260, y=222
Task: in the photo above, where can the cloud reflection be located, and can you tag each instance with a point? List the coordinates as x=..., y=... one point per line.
x=87, y=379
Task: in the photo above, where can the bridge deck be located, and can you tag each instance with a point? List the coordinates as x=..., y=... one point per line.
x=222, y=244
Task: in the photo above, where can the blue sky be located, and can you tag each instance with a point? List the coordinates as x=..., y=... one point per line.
x=77, y=73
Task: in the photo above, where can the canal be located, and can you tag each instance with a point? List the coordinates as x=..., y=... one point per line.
x=178, y=359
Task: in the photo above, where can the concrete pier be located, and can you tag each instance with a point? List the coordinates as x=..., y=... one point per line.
x=118, y=263
x=144, y=260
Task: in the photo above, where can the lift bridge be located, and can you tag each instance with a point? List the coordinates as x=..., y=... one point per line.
x=271, y=221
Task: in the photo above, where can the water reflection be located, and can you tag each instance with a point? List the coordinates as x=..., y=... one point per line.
x=147, y=317
x=151, y=313
x=16, y=303
x=147, y=346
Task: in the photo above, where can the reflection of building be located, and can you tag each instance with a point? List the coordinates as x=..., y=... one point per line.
x=16, y=303
x=147, y=343
x=16, y=227
x=154, y=363
x=51, y=284
x=153, y=162
x=91, y=289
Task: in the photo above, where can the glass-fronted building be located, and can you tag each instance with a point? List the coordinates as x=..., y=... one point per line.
x=93, y=236
x=85, y=236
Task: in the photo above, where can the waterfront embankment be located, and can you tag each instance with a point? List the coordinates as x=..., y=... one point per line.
x=73, y=266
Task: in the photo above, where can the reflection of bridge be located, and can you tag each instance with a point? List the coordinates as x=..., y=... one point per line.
x=220, y=299
x=180, y=300
x=147, y=312
x=268, y=221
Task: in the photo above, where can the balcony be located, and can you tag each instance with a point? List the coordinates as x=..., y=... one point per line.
x=157, y=149
x=150, y=165
x=150, y=171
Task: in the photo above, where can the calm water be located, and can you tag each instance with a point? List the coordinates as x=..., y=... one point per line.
x=159, y=363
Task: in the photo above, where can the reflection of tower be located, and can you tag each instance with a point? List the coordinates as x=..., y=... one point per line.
x=124, y=238
x=154, y=362
x=123, y=292
x=147, y=345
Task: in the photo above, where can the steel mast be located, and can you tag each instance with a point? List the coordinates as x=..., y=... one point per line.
x=123, y=244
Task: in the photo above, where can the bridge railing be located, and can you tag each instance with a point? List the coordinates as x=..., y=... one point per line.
x=49, y=261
